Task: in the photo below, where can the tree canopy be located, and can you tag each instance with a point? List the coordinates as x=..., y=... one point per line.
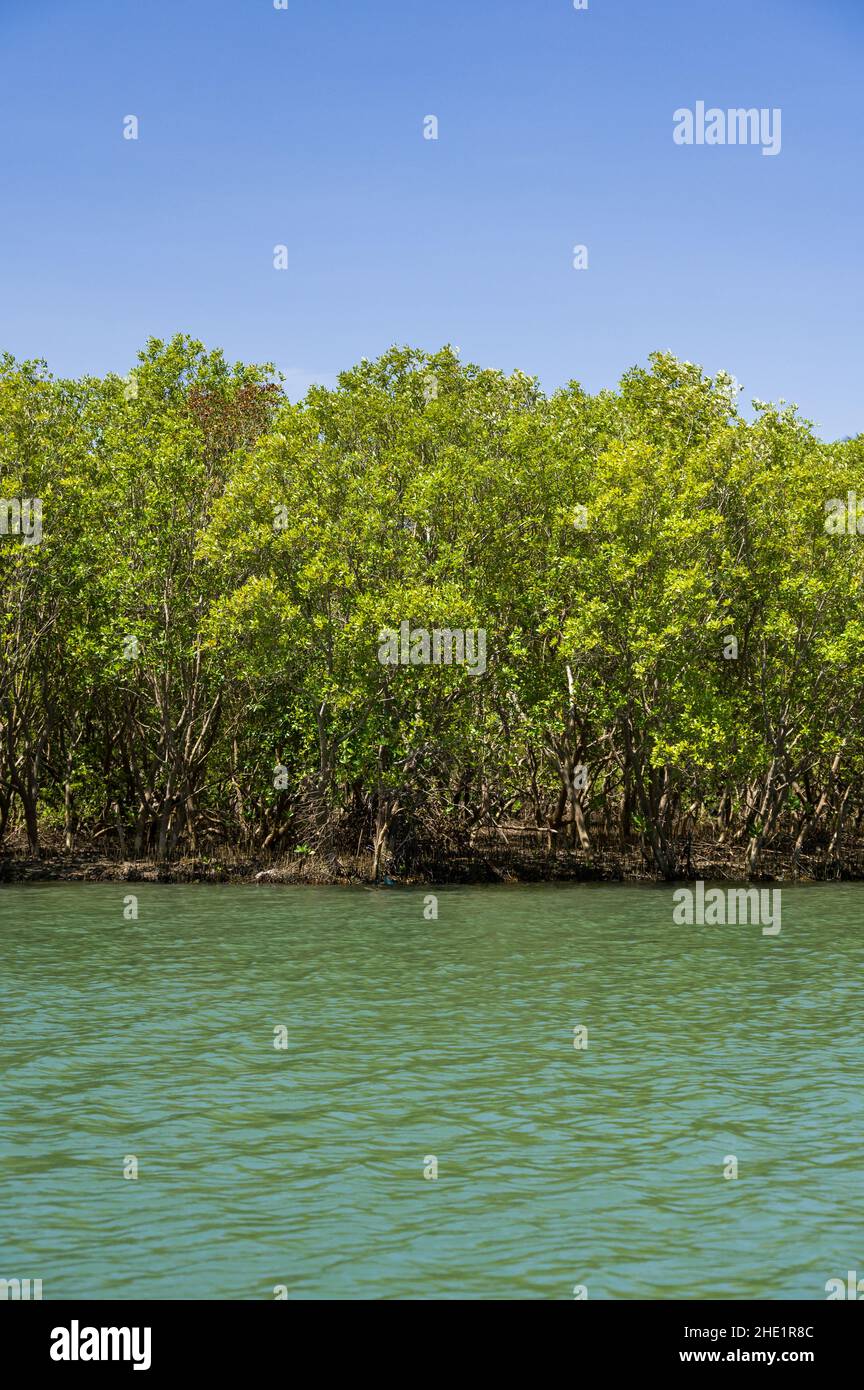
x=189, y=654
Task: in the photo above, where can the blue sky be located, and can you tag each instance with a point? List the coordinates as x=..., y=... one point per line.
x=305, y=127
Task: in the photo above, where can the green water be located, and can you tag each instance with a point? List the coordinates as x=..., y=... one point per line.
x=407, y=1038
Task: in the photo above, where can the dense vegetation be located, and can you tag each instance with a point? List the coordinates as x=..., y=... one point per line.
x=189, y=658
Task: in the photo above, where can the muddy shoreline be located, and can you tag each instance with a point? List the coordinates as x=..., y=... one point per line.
x=699, y=861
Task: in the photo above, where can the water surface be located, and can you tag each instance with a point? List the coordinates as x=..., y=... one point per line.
x=303, y=1167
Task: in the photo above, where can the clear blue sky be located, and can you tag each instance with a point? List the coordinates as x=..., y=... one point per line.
x=304, y=127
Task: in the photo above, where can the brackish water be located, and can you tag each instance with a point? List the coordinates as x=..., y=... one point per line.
x=406, y=1038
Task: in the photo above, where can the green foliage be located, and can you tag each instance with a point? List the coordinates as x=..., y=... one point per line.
x=217, y=565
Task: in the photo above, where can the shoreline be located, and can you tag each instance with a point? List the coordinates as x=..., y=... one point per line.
x=704, y=862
